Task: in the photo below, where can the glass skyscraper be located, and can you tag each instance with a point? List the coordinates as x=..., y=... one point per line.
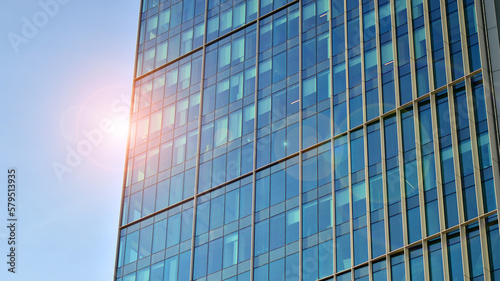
x=313, y=140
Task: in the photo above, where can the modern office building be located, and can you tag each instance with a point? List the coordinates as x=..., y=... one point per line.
x=313, y=140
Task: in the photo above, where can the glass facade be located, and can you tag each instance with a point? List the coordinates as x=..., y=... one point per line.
x=311, y=140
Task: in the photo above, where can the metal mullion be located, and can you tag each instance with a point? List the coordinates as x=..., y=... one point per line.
x=411, y=44
x=428, y=44
x=351, y=218
x=254, y=156
x=484, y=249
x=404, y=218
x=446, y=39
x=385, y=194
x=367, y=202
x=346, y=63
x=489, y=96
x=379, y=58
x=301, y=220
x=456, y=155
x=198, y=146
x=351, y=191
x=463, y=37
x=395, y=59
x=445, y=256
x=332, y=145
x=474, y=147
x=464, y=251
x=365, y=143
x=362, y=57
x=425, y=254
x=437, y=163
x=365, y=133
x=421, y=196
x=458, y=178
x=477, y=178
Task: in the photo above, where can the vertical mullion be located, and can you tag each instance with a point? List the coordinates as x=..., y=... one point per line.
x=477, y=175
x=428, y=44
x=301, y=143
x=445, y=254
x=332, y=150
x=395, y=59
x=458, y=173
x=367, y=203
x=362, y=55
x=411, y=44
x=198, y=144
x=458, y=179
x=484, y=249
x=379, y=58
x=254, y=157
x=463, y=37
x=404, y=219
x=346, y=56
x=421, y=197
x=464, y=250
x=446, y=39
x=456, y=155
x=351, y=192
x=474, y=147
x=385, y=194
x=437, y=163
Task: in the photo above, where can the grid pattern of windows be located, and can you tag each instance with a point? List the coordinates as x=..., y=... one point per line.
x=305, y=140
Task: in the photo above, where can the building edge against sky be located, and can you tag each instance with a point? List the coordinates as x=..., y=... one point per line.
x=306, y=140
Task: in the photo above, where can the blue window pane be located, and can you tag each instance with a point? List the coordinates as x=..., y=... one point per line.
x=398, y=268
x=261, y=237
x=159, y=236
x=493, y=245
x=378, y=239
x=214, y=256
x=325, y=211
x=157, y=272
x=292, y=225
x=310, y=226
x=379, y=271
x=343, y=252
x=435, y=261
x=261, y=273
x=230, y=256
x=291, y=267
x=277, y=228
x=244, y=245
x=131, y=247
x=310, y=264
x=360, y=246
x=455, y=257
x=325, y=258
x=416, y=265
x=277, y=270
x=474, y=252
x=200, y=262
x=396, y=232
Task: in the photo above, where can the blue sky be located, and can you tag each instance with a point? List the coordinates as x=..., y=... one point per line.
x=66, y=78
